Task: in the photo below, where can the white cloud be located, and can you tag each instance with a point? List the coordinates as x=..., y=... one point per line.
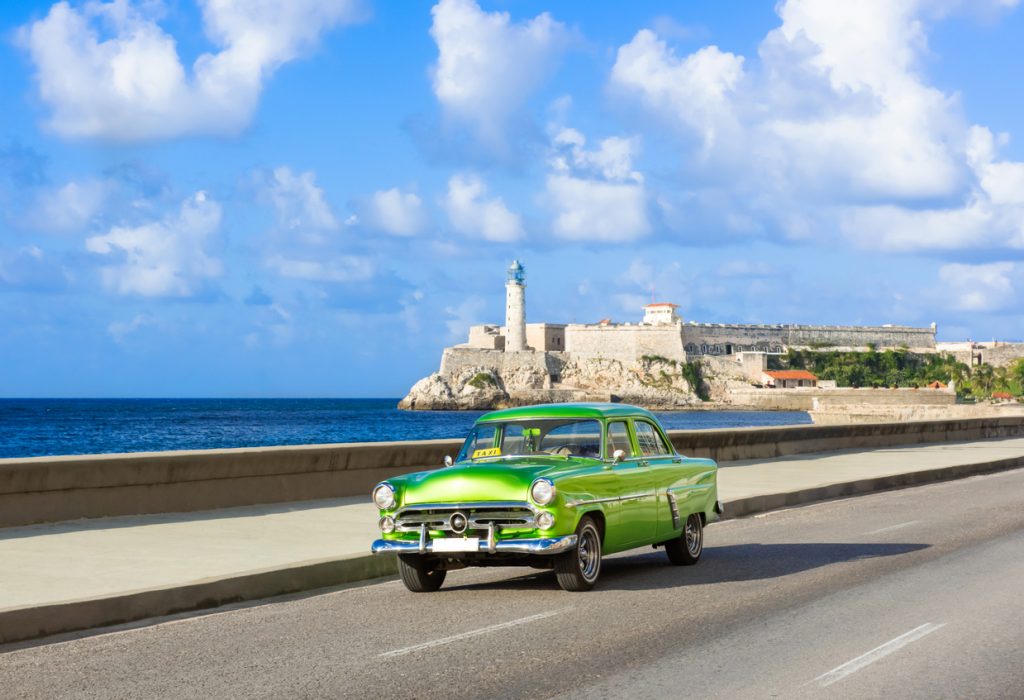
x=466, y=314
x=119, y=330
x=487, y=65
x=162, y=258
x=69, y=207
x=613, y=160
x=471, y=214
x=596, y=194
x=299, y=202
x=596, y=210
x=342, y=268
x=988, y=287
x=835, y=130
x=696, y=89
x=110, y=71
x=395, y=212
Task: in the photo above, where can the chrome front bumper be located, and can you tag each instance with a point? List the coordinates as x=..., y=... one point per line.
x=543, y=545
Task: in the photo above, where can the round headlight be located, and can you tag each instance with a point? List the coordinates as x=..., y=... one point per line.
x=387, y=524
x=542, y=492
x=545, y=520
x=384, y=496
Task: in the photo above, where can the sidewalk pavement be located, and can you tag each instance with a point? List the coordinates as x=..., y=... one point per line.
x=86, y=573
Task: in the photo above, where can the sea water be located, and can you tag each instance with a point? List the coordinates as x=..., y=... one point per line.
x=36, y=427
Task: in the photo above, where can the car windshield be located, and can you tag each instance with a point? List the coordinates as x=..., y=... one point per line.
x=566, y=438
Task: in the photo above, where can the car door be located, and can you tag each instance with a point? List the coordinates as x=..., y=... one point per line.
x=666, y=472
x=634, y=523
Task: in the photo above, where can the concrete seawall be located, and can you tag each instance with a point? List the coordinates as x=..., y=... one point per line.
x=50, y=489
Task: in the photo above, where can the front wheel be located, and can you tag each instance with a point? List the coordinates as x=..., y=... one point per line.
x=685, y=550
x=578, y=569
x=417, y=575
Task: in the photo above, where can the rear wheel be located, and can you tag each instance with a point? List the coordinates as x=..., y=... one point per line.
x=578, y=569
x=417, y=574
x=685, y=550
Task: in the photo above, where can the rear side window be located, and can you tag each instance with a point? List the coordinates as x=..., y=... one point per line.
x=618, y=439
x=649, y=440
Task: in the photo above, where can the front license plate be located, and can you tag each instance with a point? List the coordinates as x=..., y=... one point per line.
x=456, y=544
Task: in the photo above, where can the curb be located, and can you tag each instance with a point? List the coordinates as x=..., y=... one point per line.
x=21, y=624
x=862, y=487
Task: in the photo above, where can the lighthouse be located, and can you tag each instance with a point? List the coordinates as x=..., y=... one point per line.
x=515, y=308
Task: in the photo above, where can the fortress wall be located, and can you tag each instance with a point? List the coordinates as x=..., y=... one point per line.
x=838, y=399
x=723, y=339
x=1002, y=355
x=861, y=336
x=625, y=343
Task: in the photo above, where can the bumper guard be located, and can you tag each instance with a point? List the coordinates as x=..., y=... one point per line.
x=542, y=545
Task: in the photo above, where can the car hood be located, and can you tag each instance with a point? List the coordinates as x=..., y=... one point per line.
x=498, y=480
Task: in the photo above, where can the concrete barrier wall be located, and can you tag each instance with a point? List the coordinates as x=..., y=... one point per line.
x=48, y=489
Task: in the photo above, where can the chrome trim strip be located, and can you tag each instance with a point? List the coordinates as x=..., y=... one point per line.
x=469, y=504
x=545, y=545
x=631, y=497
x=673, y=507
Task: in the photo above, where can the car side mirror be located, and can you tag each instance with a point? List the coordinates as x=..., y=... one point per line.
x=618, y=456
x=448, y=460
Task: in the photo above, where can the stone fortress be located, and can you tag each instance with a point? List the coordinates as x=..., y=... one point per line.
x=643, y=363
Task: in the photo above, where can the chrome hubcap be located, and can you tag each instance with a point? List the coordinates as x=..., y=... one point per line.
x=588, y=553
x=693, y=535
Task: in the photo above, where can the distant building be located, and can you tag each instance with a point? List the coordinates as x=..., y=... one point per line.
x=663, y=333
x=661, y=314
x=788, y=378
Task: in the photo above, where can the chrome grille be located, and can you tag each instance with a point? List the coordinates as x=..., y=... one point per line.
x=503, y=515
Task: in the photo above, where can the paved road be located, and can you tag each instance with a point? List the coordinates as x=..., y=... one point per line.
x=912, y=593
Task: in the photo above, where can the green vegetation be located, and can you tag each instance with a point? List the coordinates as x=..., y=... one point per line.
x=899, y=368
x=690, y=371
x=658, y=360
x=482, y=380
x=693, y=372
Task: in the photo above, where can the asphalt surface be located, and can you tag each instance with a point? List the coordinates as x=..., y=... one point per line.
x=911, y=593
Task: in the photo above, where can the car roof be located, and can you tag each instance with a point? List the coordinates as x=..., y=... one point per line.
x=568, y=410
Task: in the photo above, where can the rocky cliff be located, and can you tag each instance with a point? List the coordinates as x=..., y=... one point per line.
x=473, y=379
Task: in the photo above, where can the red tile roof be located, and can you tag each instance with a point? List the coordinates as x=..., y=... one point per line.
x=661, y=303
x=790, y=374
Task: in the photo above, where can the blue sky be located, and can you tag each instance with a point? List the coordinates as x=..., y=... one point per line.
x=235, y=198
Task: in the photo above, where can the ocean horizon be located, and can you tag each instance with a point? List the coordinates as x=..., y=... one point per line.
x=53, y=426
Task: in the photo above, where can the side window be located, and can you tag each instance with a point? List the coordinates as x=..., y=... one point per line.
x=513, y=442
x=651, y=444
x=482, y=438
x=618, y=439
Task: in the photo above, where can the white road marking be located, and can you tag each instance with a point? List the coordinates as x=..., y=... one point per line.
x=893, y=527
x=854, y=665
x=473, y=633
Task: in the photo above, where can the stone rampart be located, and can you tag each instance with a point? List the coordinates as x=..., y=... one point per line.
x=624, y=343
x=808, y=399
x=1002, y=355
x=724, y=338
x=48, y=489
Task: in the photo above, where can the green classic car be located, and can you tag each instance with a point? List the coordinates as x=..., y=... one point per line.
x=551, y=486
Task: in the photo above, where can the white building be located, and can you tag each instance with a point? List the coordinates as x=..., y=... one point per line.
x=661, y=314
